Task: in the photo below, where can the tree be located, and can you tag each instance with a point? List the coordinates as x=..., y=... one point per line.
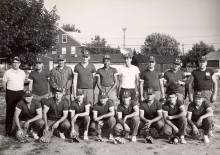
x=26, y=29
x=70, y=28
x=160, y=44
x=198, y=50
x=98, y=46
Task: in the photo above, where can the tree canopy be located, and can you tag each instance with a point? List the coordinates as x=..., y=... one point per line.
x=160, y=44
x=70, y=28
x=26, y=28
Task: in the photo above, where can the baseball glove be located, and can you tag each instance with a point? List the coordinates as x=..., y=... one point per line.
x=22, y=136
x=47, y=135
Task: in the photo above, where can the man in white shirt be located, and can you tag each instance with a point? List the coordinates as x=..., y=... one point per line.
x=128, y=78
x=13, y=83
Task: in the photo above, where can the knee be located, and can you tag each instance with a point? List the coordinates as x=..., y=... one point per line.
x=87, y=118
x=136, y=119
x=112, y=120
x=66, y=124
x=160, y=124
x=183, y=120
x=208, y=120
x=40, y=123
x=167, y=130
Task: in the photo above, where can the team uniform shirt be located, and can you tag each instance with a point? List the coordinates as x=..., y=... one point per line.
x=107, y=76
x=55, y=111
x=151, y=79
x=15, y=79
x=103, y=109
x=85, y=76
x=61, y=78
x=150, y=111
x=128, y=75
x=28, y=112
x=172, y=79
x=173, y=110
x=79, y=108
x=197, y=112
x=127, y=110
x=40, y=82
x=202, y=79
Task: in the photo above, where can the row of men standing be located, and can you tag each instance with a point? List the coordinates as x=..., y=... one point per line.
x=109, y=81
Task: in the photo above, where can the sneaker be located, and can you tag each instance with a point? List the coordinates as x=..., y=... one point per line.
x=211, y=134
x=62, y=136
x=206, y=139
x=182, y=140
x=85, y=137
x=35, y=136
x=133, y=139
x=111, y=137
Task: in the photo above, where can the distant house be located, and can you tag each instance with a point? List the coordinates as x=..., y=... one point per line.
x=213, y=59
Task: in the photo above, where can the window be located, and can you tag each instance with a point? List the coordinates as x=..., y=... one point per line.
x=54, y=52
x=64, y=38
x=73, y=50
x=57, y=39
x=63, y=50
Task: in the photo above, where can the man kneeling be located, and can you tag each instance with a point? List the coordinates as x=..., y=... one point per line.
x=128, y=117
x=28, y=117
x=199, y=115
x=55, y=114
x=80, y=118
x=151, y=115
x=103, y=116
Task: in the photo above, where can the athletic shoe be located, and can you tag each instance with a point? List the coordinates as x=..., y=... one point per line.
x=206, y=139
x=133, y=139
x=211, y=134
x=62, y=136
x=182, y=140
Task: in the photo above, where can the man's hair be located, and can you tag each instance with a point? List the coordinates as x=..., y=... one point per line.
x=172, y=93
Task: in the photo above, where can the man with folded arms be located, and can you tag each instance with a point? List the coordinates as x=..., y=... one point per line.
x=199, y=115
x=174, y=114
x=128, y=117
x=103, y=116
x=151, y=114
x=28, y=116
x=55, y=113
x=79, y=109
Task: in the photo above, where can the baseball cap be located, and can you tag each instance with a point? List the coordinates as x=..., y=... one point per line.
x=58, y=89
x=152, y=59
x=16, y=59
x=128, y=55
x=60, y=58
x=28, y=93
x=106, y=56
x=203, y=58
x=126, y=94
x=103, y=96
x=198, y=94
x=38, y=60
x=177, y=61
x=86, y=53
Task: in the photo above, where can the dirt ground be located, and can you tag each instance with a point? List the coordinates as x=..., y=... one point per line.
x=8, y=146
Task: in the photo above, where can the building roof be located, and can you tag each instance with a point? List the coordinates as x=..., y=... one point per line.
x=213, y=55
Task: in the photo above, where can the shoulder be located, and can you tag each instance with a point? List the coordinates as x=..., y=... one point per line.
x=191, y=106
x=134, y=103
x=20, y=104
x=165, y=106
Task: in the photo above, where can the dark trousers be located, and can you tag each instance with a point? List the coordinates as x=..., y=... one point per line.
x=12, y=98
x=82, y=123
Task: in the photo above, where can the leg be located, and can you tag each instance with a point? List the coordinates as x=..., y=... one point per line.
x=134, y=123
x=182, y=124
x=95, y=127
x=111, y=123
x=167, y=130
x=207, y=125
x=37, y=125
x=64, y=127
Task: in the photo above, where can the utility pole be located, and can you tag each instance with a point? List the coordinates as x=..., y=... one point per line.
x=124, y=29
x=183, y=48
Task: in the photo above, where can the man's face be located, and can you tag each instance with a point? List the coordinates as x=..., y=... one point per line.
x=151, y=64
x=172, y=99
x=39, y=66
x=202, y=64
x=198, y=101
x=128, y=60
x=61, y=63
x=106, y=62
x=28, y=99
x=127, y=101
x=150, y=97
x=80, y=98
x=176, y=66
x=103, y=100
x=58, y=95
x=16, y=64
x=85, y=59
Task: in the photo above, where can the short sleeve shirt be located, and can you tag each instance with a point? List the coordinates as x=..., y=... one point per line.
x=40, y=82
x=107, y=76
x=150, y=111
x=172, y=110
x=15, y=79
x=85, y=76
x=55, y=111
x=202, y=79
x=151, y=79
x=79, y=108
x=127, y=110
x=128, y=75
x=197, y=112
x=26, y=112
x=103, y=109
x=172, y=79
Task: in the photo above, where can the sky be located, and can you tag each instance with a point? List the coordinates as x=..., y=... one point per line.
x=188, y=21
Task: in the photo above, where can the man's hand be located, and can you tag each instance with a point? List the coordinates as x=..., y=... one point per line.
x=148, y=123
x=26, y=124
x=74, y=118
x=142, y=98
x=169, y=117
x=195, y=130
x=176, y=130
x=124, y=119
x=98, y=118
x=20, y=133
x=55, y=125
x=73, y=133
x=213, y=97
x=199, y=122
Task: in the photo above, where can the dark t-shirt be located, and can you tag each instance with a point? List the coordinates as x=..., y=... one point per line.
x=150, y=111
x=40, y=82
x=202, y=79
x=196, y=113
x=172, y=79
x=107, y=76
x=28, y=113
x=85, y=76
x=79, y=108
x=55, y=111
x=172, y=110
x=151, y=79
x=126, y=110
x=103, y=109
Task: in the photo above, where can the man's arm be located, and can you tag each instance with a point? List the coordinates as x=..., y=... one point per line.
x=162, y=88
x=215, y=88
x=142, y=116
x=209, y=112
x=65, y=114
x=75, y=80
x=86, y=113
x=30, y=85
x=45, y=110
x=38, y=116
x=181, y=114
x=52, y=81
x=17, y=121
x=159, y=116
x=189, y=119
x=137, y=78
x=109, y=114
x=119, y=116
x=135, y=113
x=115, y=82
x=99, y=82
x=141, y=89
x=191, y=80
